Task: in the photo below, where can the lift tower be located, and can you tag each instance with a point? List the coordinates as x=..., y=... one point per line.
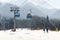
x=15, y=10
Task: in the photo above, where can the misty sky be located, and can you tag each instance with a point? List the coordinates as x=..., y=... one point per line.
x=53, y=3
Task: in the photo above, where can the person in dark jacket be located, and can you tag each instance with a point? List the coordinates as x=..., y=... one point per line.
x=44, y=29
x=47, y=29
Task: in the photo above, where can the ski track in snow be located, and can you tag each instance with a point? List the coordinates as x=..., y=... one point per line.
x=29, y=35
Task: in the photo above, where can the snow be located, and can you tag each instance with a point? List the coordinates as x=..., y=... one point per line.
x=26, y=34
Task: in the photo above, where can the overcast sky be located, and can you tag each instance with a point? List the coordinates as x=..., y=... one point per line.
x=54, y=3
x=40, y=3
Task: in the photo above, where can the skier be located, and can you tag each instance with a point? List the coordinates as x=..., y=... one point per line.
x=44, y=29
x=47, y=29
x=56, y=29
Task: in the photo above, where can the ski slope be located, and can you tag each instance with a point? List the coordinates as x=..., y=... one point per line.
x=26, y=34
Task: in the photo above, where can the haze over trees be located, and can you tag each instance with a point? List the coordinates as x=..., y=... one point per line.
x=35, y=23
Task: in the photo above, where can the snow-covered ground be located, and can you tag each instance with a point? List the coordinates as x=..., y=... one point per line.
x=26, y=34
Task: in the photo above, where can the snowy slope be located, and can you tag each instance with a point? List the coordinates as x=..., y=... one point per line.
x=26, y=34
